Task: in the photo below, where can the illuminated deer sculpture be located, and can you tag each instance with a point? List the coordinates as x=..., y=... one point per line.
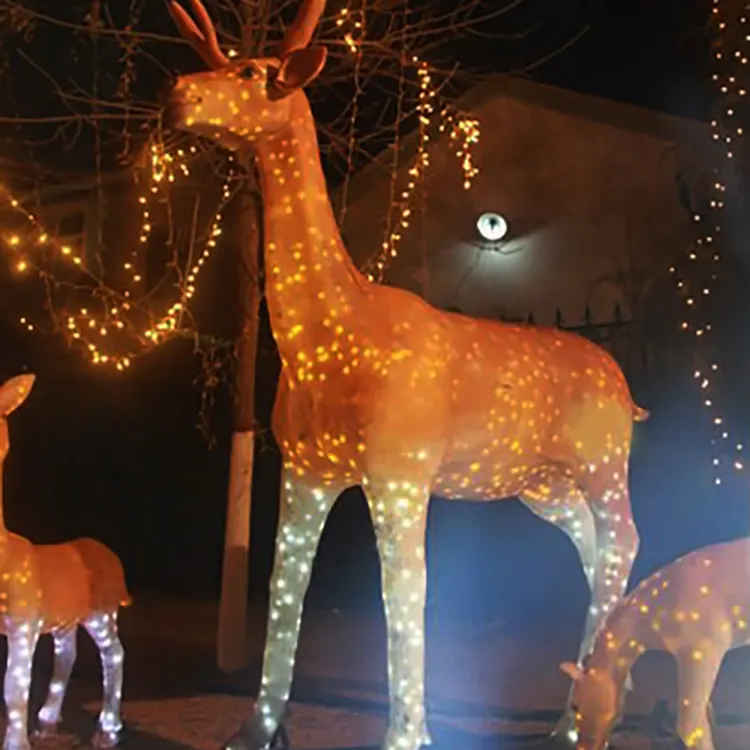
x=696, y=608
x=381, y=390
x=54, y=588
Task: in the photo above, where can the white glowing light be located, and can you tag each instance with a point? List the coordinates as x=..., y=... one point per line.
x=492, y=227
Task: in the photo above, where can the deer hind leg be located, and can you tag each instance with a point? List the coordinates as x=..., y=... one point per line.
x=554, y=497
x=696, y=675
x=399, y=516
x=22, y=640
x=65, y=657
x=302, y=515
x=557, y=499
x=617, y=544
x=103, y=630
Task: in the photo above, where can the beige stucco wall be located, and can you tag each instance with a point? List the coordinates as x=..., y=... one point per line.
x=592, y=208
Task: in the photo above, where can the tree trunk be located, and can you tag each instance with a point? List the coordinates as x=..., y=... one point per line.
x=232, y=638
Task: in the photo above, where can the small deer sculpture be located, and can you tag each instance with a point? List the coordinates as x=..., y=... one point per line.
x=381, y=390
x=54, y=588
x=697, y=608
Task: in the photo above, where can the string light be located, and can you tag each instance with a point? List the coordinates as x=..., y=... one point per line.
x=352, y=39
x=729, y=76
x=89, y=330
x=463, y=133
x=691, y=608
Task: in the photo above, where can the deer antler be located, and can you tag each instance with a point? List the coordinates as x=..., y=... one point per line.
x=203, y=40
x=298, y=35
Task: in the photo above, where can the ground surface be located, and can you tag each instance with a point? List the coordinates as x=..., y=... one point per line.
x=488, y=687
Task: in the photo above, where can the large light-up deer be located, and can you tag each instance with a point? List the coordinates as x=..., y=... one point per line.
x=54, y=588
x=381, y=390
x=696, y=608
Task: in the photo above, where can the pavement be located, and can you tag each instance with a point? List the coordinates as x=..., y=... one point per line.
x=490, y=687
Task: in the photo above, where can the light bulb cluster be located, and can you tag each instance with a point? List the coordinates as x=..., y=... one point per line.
x=729, y=78
x=352, y=38
x=89, y=330
x=464, y=134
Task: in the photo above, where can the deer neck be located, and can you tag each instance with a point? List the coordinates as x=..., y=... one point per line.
x=313, y=289
x=624, y=637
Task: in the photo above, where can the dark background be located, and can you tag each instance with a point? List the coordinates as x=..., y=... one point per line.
x=119, y=456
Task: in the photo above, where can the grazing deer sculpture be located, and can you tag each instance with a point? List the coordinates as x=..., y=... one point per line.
x=697, y=608
x=381, y=390
x=54, y=588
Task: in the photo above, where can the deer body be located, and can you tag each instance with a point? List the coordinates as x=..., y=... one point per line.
x=447, y=394
x=697, y=608
x=380, y=389
x=53, y=589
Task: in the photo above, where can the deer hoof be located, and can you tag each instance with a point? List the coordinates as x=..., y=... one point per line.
x=564, y=736
x=280, y=740
x=46, y=729
x=105, y=738
x=249, y=737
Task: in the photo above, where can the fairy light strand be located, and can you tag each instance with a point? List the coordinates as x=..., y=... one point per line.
x=84, y=328
x=89, y=330
x=463, y=136
x=729, y=78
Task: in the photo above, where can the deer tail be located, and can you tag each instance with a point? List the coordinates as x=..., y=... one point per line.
x=640, y=414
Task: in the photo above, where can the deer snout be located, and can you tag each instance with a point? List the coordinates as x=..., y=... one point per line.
x=176, y=103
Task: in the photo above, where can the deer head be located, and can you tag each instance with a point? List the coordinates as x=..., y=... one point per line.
x=12, y=394
x=237, y=103
x=598, y=700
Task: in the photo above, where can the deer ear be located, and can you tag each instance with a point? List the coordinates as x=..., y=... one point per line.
x=572, y=670
x=14, y=392
x=299, y=68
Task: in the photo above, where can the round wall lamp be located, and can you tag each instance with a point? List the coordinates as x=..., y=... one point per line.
x=492, y=227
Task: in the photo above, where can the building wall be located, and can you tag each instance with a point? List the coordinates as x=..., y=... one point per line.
x=593, y=210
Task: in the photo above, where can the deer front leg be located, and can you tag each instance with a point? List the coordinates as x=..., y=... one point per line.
x=103, y=630
x=65, y=657
x=399, y=515
x=302, y=515
x=697, y=669
x=22, y=640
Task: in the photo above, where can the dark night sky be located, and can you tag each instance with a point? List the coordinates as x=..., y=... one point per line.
x=653, y=53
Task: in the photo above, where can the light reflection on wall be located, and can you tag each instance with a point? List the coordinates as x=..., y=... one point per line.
x=593, y=210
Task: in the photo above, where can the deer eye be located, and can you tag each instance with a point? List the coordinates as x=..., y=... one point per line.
x=247, y=72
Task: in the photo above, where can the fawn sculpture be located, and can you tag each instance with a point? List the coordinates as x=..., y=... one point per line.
x=696, y=608
x=54, y=588
x=381, y=390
